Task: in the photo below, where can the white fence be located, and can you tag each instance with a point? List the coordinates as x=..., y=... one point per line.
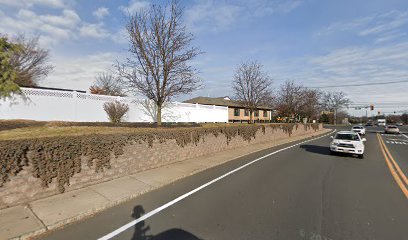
x=52, y=105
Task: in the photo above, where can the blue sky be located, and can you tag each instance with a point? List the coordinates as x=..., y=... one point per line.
x=313, y=42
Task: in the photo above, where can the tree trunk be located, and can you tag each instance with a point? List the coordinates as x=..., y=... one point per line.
x=159, y=115
x=335, y=116
x=251, y=118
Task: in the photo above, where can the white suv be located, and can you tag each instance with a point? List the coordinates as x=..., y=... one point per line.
x=359, y=129
x=348, y=142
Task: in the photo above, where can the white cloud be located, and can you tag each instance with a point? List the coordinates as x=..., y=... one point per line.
x=79, y=72
x=121, y=36
x=31, y=3
x=101, y=12
x=211, y=15
x=217, y=15
x=68, y=19
x=265, y=7
x=93, y=30
x=56, y=27
x=380, y=27
x=385, y=24
x=353, y=65
x=390, y=36
x=134, y=6
x=52, y=28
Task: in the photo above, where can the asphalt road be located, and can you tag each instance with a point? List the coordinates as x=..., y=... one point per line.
x=403, y=129
x=299, y=193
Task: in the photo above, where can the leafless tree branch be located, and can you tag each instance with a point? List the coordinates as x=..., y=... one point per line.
x=252, y=86
x=106, y=84
x=31, y=63
x=160, y=49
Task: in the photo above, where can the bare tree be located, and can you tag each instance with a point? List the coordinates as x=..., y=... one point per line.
x=311, y=104
x=106, y=84
x=252, y=86
x=334, y=101
x=31, y=62
x=290, y=99
x=160, y=47
x=404, y=118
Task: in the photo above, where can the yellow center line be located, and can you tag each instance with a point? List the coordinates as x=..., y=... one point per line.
x=391, y=167
x=400, y=172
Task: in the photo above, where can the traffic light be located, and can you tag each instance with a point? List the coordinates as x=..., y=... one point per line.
x=371, y=107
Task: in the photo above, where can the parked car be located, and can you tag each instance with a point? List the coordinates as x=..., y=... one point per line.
x=369, y=124
x=348, y=142
x=359, y=129
x=400, y=124
x=391, y=129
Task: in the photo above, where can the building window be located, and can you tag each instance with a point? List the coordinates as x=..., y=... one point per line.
x=236, y=112
x=265, y=113
x=246, y=113
x=256, y=113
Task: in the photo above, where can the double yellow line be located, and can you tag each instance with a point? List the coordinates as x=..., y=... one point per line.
x=395, y=170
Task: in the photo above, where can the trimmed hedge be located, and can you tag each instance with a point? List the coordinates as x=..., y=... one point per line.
x=60, y=157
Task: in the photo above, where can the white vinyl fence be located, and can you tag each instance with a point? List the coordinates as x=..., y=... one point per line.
x=53, y=105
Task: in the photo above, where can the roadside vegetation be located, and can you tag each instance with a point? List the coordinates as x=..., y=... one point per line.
x=23, y=64
x=26, y=129
x=57, y=152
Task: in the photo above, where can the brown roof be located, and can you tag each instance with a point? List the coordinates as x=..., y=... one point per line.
x=219, y=101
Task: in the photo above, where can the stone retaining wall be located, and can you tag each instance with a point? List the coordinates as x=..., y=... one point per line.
x=136, y=158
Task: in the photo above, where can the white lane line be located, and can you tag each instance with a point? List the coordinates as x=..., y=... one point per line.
x=405, y=135
x=396, y=142
x=172, y=202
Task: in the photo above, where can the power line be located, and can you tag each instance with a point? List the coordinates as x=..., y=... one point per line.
x=361, y=84
x=377, y=107
x=368, y=103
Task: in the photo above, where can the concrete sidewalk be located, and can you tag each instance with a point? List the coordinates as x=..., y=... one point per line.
x=24, y=221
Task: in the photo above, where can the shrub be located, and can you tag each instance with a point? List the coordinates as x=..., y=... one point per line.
x=116, y=110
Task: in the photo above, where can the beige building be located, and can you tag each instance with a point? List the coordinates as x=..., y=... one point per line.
x=236, y=112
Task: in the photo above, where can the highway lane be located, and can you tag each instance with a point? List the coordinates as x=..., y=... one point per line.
x=300, y=193
x=403, y=129
x=398, y=146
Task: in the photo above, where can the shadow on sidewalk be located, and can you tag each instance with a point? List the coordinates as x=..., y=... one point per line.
x=141, y=230
x=316, y=149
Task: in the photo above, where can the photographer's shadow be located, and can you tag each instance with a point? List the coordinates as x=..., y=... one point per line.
x=141, y=230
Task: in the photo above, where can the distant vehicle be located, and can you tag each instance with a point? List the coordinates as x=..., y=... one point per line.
x=369, y=124
x=391, y=129
x=359, y=129
x=400, y=124
x=348, y=142
x=381, y=122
